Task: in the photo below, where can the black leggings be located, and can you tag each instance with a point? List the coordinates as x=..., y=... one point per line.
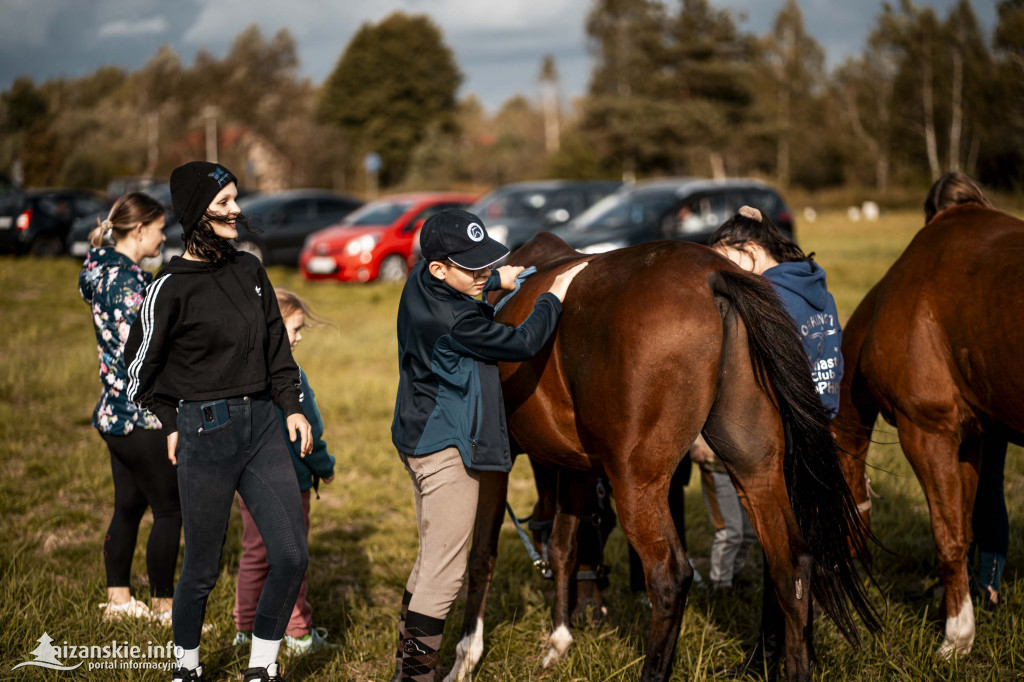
x=143, y=477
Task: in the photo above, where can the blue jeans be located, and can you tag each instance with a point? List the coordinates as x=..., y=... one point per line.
x=990, y=521
x=247, y=454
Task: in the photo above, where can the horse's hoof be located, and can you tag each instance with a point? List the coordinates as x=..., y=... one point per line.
x=949, y=649
x=959, y=635
x=560, y=641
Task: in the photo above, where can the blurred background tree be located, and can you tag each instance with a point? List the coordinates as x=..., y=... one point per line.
x=394, y=82
x=676, y=89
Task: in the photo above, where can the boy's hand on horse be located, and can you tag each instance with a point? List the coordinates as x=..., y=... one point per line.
x=562, y=282
x=508, y=275
x=298, y=427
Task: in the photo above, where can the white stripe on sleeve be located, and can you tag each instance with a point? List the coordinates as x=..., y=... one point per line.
x=147, y=335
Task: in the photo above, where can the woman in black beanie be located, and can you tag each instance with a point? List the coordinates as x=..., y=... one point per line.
x=209, y=355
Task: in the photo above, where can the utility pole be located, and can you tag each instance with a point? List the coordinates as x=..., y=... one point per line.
x=210, y=114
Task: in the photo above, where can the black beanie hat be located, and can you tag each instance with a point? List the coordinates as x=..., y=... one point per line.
x=193, y=187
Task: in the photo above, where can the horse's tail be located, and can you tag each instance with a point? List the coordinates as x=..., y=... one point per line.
x=821, y=500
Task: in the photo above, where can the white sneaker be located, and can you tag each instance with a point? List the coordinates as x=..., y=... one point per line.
x=130, y=609
x=242, y=638
x=316, y=640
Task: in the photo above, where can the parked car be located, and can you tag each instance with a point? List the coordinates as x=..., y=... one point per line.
x=675, y=208
x=42, y=219
x=78, y=237
x=282, y=221
x=375, y=242
x=11, y=198
x=514, y=213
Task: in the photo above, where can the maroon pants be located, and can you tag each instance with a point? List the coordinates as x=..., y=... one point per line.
x=252, y=573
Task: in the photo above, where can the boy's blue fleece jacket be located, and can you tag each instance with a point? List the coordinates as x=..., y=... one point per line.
x=449, y=391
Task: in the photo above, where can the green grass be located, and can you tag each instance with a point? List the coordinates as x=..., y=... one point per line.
x=55, y=494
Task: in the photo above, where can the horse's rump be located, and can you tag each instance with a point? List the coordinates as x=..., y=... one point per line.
x=590, y=389
x=944, y=322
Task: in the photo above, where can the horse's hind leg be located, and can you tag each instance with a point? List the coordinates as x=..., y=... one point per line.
x=947, y=470
x=642, y=501
x=490, y=512
x=573, y=493
x=755, y=463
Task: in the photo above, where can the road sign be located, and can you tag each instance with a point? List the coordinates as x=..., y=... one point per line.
x=372, y=162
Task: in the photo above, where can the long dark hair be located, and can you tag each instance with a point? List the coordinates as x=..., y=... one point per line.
x=204, y=243
x=950, y=190
x=752, y=226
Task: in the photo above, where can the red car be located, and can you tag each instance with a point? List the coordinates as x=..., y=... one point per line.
x=375, y=241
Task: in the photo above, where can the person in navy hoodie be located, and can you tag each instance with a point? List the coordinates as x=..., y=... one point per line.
x=754, y=243
x=113, y=284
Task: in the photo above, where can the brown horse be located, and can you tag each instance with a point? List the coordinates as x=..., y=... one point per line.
x=658, y=343
x=935, y=349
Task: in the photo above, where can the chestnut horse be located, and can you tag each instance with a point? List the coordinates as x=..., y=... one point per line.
x=935, y=349
x=657, y=343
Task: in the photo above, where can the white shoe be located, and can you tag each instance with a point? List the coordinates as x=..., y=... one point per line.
x=242, y=638
x=130, y=609
x=316, y=640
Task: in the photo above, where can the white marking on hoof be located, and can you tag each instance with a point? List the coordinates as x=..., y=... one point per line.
x=959, y=632
x=468, y=652
x=560, y=640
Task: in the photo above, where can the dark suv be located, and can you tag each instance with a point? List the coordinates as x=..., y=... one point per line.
x=514, y=213
x=687, y=209
x=284, y=220
x=42, y=219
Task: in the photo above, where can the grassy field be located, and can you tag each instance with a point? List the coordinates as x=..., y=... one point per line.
x=55, y=494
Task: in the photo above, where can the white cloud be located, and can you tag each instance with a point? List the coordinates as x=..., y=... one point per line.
x=140, y=27
x=219, y=20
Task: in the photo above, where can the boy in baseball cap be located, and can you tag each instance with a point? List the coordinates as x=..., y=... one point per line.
x=449, y=420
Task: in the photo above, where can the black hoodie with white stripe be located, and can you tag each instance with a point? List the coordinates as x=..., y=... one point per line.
x=207, y=332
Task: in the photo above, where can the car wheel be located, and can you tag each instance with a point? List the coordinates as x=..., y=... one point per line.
x=251, y=247
x=46, y=246
x=393, y=269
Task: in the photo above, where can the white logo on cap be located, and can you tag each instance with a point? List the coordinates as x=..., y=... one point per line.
x=475, y=232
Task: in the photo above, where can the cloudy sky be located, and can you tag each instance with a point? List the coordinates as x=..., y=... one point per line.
x=498, y=45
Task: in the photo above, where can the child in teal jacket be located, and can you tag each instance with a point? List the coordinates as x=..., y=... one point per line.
x=318, y=465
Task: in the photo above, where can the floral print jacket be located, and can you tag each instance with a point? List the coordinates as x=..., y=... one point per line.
x=114, y=287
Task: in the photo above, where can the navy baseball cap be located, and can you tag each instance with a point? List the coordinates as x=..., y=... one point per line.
x=460, y=237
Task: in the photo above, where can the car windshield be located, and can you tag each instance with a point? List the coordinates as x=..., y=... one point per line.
x=627, y=208
x=519, y=203
x=378, y=213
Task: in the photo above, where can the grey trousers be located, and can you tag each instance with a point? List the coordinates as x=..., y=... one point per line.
x=734, y=535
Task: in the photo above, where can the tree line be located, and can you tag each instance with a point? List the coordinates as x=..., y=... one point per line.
x=677, y=88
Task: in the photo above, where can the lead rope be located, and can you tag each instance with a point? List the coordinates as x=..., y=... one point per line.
x=538, y=563
x=518, y=283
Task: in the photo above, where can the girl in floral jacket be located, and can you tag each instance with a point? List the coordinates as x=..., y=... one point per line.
x=113, y=284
